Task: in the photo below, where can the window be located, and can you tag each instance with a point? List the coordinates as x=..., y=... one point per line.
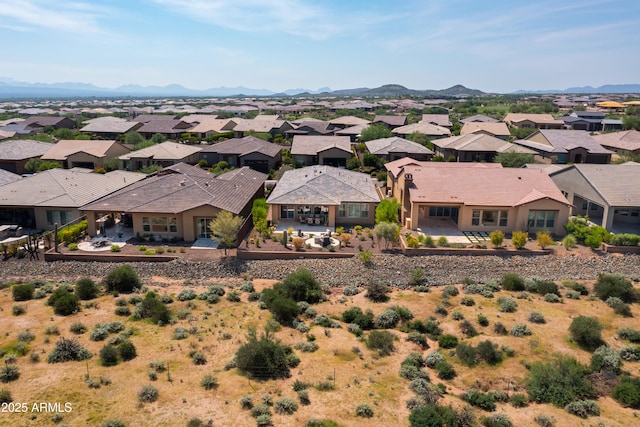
x=585, y=204
x=159, y=224
x=489, y=217
x=542, y=219
x=58, y=217
x=287, y=212
x=353, y=210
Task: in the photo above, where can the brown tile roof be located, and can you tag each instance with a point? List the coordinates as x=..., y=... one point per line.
x=66, y=147
x=311, y=145
x=628, y=140
x=102, y=125
x=7, y=177
x=391, y=120
x=535, y=118
x=214, y=125
x=479, y=118
x=437, y=119
x=425, y=128
x=164, y=151
x=349, y=121
x=264, y=125
x=185, y=188
x=397, y=166
x=384, y=146
x=165, y=126
x=21, y=149
x=561, y=141
x=477, y=186
x=243, y=146
x=497, y=129
x=479, y=142
x=144, y=118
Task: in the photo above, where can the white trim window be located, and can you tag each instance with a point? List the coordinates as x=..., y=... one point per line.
x=353, y=210
x=542, y=219
x=159, y=224
x=489, y=217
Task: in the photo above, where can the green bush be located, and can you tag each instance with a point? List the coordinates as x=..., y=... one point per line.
x=569, y=242
x=152, y=308
x=629, y=334
x=519, y=239
x=9, y=373
x=67, y=350
x=364, y=410
x=450, y=290
x=263, y=357
x=86, y=289
x=5, y=396
x=123, y=279
x=467, y=354
x=489, y=352
x=285, y=405
x=18, y=309
x=559, y=382
x=586, y=332
x=512, y=282
x=108, y=355
x=497, y=420
x=447, y=341
x=468, y=329
x=300, y=285
x=607, y=359
x=63, y=301
x=445, y=371
x=619, y=306
x=72, y=233
x=387, y=319
x=520, y=330
x=148, y=394
x=536, y=317
x=627, y=392
x=127, y=350
x=507, y=305
x=484, y=401
x=377, y=291
x=625, y=239
x=583, y=408
x=382, y=341
x=614, y=285
x=284, y=309
x=209, y=382
x=22, y=291
x=355, y=315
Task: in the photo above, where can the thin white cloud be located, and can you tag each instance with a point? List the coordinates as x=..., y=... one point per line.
x=295, y=17
x=61, y=16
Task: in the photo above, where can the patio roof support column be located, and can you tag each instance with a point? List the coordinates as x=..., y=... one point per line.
x=91, y=223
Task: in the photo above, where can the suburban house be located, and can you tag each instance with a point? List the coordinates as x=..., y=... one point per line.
x=250, y=151
x=429, y=129
x=145, y=118
x=348, y=121
x=320, y=150
x=15, y=154
x=55, y=195
x=480, y=197
x=212, y=127
x=169, y=128
x=391, y=122
x=110, y=127
x=497, y=129
x=479, y=118
x=394, y=148
x=180, y=201
x=164, y=154
x=38, y=123
x=565, y=146
x=353, y=132
x=438, y=120
x=474, y=147
x=311, y=127
x=608, y=194
x=324, y=196
x=88, y=154
x=262, y=124
x=627, y=141
x=535, y=121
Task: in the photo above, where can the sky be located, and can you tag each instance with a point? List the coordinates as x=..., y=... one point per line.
x=495, y=46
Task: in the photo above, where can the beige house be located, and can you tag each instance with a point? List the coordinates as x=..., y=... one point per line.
x=535, y=121
x=498, y=129
x=320, y=150
x=180, y=201
x=477, y=196
x=163, y=154
x=87, y=154
x=324, y=196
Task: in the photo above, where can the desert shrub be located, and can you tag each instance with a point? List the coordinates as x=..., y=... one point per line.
x=123, y=279
x=209, y=382
x=18, y=309
x=630, y=353
x=519, y=400
x=484, y=401
x=583, y=408
x=382, y=341
x=496, y=420
x=552, y=298
x=108, y=355
x=507, y=305
x=445, y=370
x=543, y=239
x=246, y=402
x=86, y=289
x=307, y=346
x=52, y=330
x=558, y=382
x=68, y=350
x=417, y=277
x=499, y=329
x=572, y=294
x=545, y=420
x=619, y=306
x=482, y=320
x=260, y=409
x=512, y=282
x=468, y=329
x=122, y=311
x=489, y=352
x=519, y=239
x=282, y=308
x=569, y=242
x=247, y=286
x=22, y=291
x=300, y=285
x=100, y=332
x=447, y=341
x=578, y=287
x=233, y=296
x=441, y=309
x=198, y=358
x=350, y=290
x=77, y=328
x=627, y=392
x=468, y=301
x=377, y=291
x=543, y=287
x=457, y=315
x=64, y=303
x=127, y=350
x=520, y=330
x=467, y=354
x=364, y=410
x=433, y=358
x=5, y=396
x=450, y=290
x=411, y=372
x=614, y=285
x=387, y=319
x=298, y=243
x=629, y=334
x=586, y=332
x=136, y=299
x=325, y=321
x=536, y=317
x=605, y=358
x=262, y=357
x=496, y=238
x=285, y=405
x=152, y=308
x=186, y=295
x=158, y=365
x=148, y=394
x=9, y=373
x=355, y=315
x=26, y=336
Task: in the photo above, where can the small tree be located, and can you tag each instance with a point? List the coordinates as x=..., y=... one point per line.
x=375, y=131
x=387, y=211
x=86, y=289
x=519, y=239
x=388, y=232
x=22, y=292
x=377, y=291
x=224, y=229
x=63, y=301
x=263, y=357
x=122, y=279
x=108, y=355
x=497, y=238
x=259, y=213
x=586, y=332
x=543, y=239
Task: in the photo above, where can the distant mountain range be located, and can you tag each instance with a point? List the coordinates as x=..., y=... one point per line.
x=10, y=88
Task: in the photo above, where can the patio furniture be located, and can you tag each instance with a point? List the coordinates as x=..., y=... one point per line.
x=101, y=242
x=316, y=221
x=310, y=221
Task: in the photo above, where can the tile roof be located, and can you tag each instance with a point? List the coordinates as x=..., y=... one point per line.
x=323, y=185
x=425, y=128
x=110, y=125
x=349, y=121
x=64, y=187
x=243, y=146
x=561, y=141
x=351, y=130
x=619, y=185
x=391, y=120
x=21, y=149
x=66, y=147
x=7, y=177
x=311, y=145
x=478, y=186
x=437, y=119
x=395, y=144
x=497, y=128
x=165, y=126
x=214, y=125
x=628, y=140
x=479, y=142
x=535, y=118
x=164, y=151
x=43, y=120
x=263, y=125
x=183, y=187
x=145, y=118
x=479, y=118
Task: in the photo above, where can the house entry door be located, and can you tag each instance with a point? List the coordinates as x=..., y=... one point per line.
x=202, y=228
